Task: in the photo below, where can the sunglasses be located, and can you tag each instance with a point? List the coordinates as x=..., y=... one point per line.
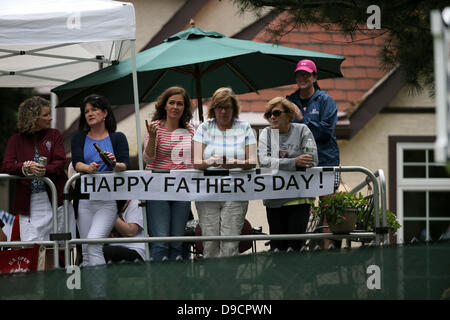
x=275, y=113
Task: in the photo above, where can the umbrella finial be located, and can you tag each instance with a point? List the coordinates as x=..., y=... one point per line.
x=192, y=23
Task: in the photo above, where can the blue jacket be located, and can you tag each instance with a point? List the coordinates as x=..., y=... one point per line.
x=320, y=116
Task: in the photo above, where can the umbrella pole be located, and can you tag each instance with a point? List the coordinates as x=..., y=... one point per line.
x=199, y=93
x=200, y=108
x=138, y=136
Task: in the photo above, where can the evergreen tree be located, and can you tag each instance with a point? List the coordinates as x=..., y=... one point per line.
x=10, y=99
x=405, y=22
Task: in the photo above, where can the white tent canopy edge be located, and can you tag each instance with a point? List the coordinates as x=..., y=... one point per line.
x=45, y=43
x=49, y=42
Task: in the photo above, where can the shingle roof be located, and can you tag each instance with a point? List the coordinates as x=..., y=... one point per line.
x=361, y=68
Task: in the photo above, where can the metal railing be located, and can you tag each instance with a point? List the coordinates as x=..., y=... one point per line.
x=380, y=174
x=380, y=224
x=54, y=202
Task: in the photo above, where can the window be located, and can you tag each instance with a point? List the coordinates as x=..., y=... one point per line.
x=423, y=193
x=420, y=164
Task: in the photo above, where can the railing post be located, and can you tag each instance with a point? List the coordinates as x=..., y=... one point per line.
x=379, y=173
x=55, y=218
x=383, y=203
x=66, y=216
x=376, y=194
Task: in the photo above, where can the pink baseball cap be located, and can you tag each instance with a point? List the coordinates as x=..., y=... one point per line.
x=306, y=65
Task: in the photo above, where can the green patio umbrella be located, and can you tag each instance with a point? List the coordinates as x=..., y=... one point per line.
x=201, y=62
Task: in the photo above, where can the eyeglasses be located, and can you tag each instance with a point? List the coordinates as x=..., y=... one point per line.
x=275, y=113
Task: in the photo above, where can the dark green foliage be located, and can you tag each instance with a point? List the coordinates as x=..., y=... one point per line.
x=10, y=99
x=406, y=23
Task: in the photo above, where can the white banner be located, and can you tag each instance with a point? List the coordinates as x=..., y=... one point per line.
x=193, y=185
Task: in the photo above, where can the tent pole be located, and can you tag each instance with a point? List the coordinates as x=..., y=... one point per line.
x=138, y=137
x=136, y=104
x=54, y=102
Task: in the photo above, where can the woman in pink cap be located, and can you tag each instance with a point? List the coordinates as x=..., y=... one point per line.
x=318, y=111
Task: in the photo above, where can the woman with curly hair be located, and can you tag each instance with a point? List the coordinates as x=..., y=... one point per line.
x=168, y=146
x=32, y=196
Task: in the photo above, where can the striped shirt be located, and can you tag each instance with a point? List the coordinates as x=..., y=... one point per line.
x=173, y=149
x=230, y=143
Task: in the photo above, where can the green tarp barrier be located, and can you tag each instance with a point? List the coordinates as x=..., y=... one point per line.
x=419, y=271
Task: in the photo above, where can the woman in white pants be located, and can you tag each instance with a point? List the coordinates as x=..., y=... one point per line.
x=97, y=125
x=225, y=142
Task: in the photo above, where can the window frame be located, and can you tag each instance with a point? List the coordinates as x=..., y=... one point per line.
x=416, y=184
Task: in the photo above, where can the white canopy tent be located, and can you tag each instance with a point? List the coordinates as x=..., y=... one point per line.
x=45, y=43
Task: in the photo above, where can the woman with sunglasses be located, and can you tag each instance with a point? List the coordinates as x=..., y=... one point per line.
x=282, y=146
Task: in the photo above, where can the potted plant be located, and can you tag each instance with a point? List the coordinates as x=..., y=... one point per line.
x=341, y=210
x=392, y=223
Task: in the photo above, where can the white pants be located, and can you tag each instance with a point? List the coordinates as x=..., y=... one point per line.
x=39, y=224
x=221, y=218
x=96, y=219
